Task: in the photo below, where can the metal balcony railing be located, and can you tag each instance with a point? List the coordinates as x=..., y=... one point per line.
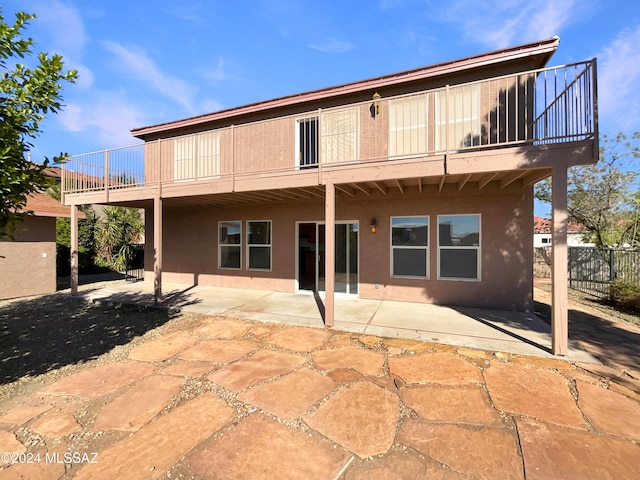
x=539, y=107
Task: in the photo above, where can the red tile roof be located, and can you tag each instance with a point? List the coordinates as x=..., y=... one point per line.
x=543, y=225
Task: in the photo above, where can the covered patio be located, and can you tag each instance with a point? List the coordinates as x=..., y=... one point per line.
x=495, y=330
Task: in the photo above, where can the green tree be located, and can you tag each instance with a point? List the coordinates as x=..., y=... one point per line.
x=118, y=229
x=601, y=196
x=27, y=95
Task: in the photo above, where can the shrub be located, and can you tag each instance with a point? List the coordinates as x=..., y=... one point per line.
x=625, y=294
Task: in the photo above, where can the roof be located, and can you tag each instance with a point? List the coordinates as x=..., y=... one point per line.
x=542, y=49
x=543, y=225
x=43, y=205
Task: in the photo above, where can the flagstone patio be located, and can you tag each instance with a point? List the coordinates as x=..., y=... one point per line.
x=236, y=399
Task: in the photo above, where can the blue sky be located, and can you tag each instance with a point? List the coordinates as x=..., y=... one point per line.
x=143, y=62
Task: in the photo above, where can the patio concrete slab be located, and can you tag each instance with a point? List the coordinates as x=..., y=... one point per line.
x=513, y=332
x=260, y=448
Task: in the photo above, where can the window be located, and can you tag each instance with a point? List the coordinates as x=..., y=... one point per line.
x=410, y=247
x=546, y=240
x=307, y=142
x=184, y=158
x=229, y=244
x=340, y=134
x=208, y=154
x=259, y=245
x=459, y=247
x=408, y=125
x=463, y=111
x=196, y=156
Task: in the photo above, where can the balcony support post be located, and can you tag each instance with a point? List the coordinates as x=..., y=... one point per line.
x=157, y=249
x=74, y=250
x=559, y=283
x=329, y=253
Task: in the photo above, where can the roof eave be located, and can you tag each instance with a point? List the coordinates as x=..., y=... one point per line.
x=543, y=49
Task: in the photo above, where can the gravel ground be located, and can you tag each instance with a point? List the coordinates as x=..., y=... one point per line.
x=594, y=305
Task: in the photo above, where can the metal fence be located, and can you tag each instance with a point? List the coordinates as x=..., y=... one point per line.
x=591, y=269
x=135, y=263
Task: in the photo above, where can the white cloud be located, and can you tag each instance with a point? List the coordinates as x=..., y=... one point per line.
x=136, y=63
x=65, y=25
x=65, y=35
x=618, y=80
x=333, y=46
x=501, y=24
x=108, y=116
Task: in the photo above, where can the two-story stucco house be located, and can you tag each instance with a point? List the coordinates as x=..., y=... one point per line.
x=415, y=186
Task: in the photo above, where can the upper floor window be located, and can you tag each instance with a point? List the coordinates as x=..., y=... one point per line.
x=459, y=116
x=459, y=247
x=408, y=125
x=197, y=156
x=340, y=132
x=307, y=142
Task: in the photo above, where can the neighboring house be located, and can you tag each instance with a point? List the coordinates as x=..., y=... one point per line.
x=415, y=186
x=542, y=234
x=28, y=262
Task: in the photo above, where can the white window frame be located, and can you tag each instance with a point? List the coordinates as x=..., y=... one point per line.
x=478, y=248
x=235, y=245
x=298, y=158
x=261, y=245
x=392, y=247
x=352, y=135
x=402, y=118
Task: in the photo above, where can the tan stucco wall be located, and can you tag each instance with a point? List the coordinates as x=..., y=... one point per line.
x=190, y=245
x=28, y=264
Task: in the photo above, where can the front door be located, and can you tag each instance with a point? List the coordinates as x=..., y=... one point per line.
x=311, y=257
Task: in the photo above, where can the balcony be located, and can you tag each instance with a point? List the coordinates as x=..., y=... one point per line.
x=530, y=111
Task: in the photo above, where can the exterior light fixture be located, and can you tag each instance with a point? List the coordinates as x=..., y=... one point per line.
x=374, y=225
x=375, y=106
